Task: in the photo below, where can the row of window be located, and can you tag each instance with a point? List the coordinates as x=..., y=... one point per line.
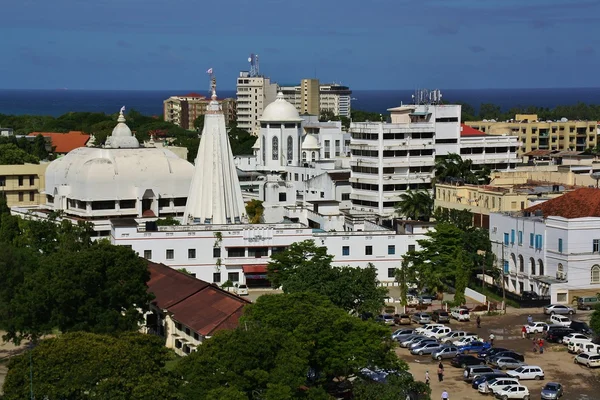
x=535, y=241
x=21, y=180
x=232, y=252
x=391, y=250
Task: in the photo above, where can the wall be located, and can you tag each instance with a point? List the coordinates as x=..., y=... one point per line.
x=9, y=184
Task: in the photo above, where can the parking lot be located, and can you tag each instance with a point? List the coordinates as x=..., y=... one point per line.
x=580, y=382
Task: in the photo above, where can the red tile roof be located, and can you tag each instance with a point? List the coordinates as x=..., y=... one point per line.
x=194, y=95
x=466, y=130
x=203, y=307
x=65, y=142
x=580, y=203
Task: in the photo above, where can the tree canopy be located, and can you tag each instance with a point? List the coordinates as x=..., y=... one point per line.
x=453, y=166
x=12, y=154
x=415, y=205
x=579, y=111
x=306, y=267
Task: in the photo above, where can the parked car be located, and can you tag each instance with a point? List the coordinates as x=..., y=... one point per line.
x=587, y=303
x=420, y=342
x=428, y=327
x=452, y=336
x=591, y=360
x=473, y=371
x=504, y=363
x=580, y=326
x=481, y=378
x=445, y=351
x=465, y=340
x=489, y=353
x=460, y=314
x=556, y=335
x=571, y=340
x=465, y=360
x=475, y=347
x=386, y=319
x=528, y=295
x=585, y=347
x=426, y=299
x=552, y=391
x=513, y=392
x=509, y=353
x=536, y=327
x=242, y=290
x=402, y=333
x=489, y=385
x=527, y=372
x=421, y=318
x=438, y=332
x=440, y=316
x=425, y=348
x=560, y=320
x=409, y=339
x=558, y=309
x=402, y=319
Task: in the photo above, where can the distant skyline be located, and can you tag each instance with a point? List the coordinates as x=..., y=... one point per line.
x=394, y=44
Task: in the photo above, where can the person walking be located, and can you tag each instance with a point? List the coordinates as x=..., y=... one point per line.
x=427, y=379
x=441, y=365
x=445, y=395
x=541, y=345
x=478, y=321
x=440, y=373
x=523, y=331
x=535, y=344
x=492, y=337
x=529, y=319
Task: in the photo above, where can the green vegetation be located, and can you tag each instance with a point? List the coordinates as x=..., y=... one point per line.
x=595, y=319
x=255, y=210
x=415, y=205
x=169, y=221
x=581, y=111
x=453, y=166
x=306, y=267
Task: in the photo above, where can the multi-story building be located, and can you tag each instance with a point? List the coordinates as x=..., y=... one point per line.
x=552, y=248
x=332, y=97
x=253, y=93
x=543, y=135
x=309, y=97
x=183, y=110
x=22, y=185
x=496, y=152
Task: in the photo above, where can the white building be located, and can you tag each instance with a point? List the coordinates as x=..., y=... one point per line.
x=552, y=248
x=495, y=151
x=254, y=93
x=332, y=97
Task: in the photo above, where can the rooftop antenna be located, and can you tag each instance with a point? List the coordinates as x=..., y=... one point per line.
x=254, y=67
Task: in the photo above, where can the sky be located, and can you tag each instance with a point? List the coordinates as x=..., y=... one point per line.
x=376, y=44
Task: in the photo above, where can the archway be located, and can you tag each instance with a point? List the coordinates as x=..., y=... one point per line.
x=541, y=267
x=521, y=264
x=513, y=262
x=532, y=265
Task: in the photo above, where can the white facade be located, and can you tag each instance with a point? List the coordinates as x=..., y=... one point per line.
x=495, y=151
x=254, y=93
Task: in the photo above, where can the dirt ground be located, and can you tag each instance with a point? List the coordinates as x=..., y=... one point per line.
x=580, y=382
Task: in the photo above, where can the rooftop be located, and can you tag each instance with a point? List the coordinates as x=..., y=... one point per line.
x=580, y=203
x=467, y=131
x=65, y=142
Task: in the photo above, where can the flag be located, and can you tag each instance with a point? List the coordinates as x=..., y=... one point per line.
x=123, y=109
x=209, y=71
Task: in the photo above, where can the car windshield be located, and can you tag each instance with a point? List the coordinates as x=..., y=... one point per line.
x=424, y=315
x=520, y=369
x=595, y=357
x=551, y=386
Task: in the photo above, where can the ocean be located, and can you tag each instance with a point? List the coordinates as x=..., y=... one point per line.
x=58, y=102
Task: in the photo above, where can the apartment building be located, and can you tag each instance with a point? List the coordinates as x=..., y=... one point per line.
x=336, y=98
x=253, y=93
x=332, y=97
x=309, y=97
x=183, y=110
x=22, y=184
x=543, y=135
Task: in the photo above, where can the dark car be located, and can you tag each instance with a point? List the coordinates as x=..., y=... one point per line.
x=581, y=327
x=440, y=316
x=557, y=334
x=463, y=361
x=487, y=377
x=530, y=296
x=485, y=353
x=511, y=354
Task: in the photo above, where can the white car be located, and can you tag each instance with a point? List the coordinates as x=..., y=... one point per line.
x=496, y=384
x=438, y=332
x=527, y=372
x=578, y=345
x=452, y=336
x=513, y=392
x=466, y=340
x=536, y=327
x=560, y=320
x=591, y=360
x=427, y=328
x=242, y=290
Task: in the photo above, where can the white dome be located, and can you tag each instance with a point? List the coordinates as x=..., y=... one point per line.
x=310, y=143
x=280, y=111
x=122, y=137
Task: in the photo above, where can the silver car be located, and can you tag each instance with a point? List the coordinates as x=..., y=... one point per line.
x=445, y=351
x=420, y=342
x=421, y=318
x=409, y=340
x=558, y=309
x=425, y=348
x=504, y=363
x=401, y=334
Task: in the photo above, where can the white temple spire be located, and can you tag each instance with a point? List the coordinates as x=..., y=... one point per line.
x=215, y=195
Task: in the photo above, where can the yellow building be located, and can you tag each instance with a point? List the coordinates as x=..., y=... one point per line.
x=22, y=184
x=543, y=135
x=310, y=97
x=183, y=110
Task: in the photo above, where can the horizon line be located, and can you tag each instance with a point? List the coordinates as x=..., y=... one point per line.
x=65, y=89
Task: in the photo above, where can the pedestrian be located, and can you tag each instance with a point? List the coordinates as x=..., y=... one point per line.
x=478, y=321
x=529, y=319
x=440, y=374
x=445, y=395
x=523, y=331
x=441, y=366
x=541, y=345
x=427, y=378
x=492, y=337
x=535, y=344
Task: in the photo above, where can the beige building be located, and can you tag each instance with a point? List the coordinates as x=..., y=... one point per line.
x=332, y=97
x=309, y=97
x=254, y=93
x=183, y=110
x=543, y=135
x=22, y=184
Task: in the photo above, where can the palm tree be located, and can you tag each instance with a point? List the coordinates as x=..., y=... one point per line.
x=416, y=205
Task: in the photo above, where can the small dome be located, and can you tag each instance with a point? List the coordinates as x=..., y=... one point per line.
x=310, y=143
x=122, y=137
x=280, y=111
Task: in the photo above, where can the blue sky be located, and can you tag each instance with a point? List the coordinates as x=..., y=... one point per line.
x=376, y=44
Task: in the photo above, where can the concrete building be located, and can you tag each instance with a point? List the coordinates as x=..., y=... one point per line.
x=332, y=97
x=309, y=97
x=23, y=185
x=552, y=248
x=543, y=135
x=254, y=93
x=183, y=110
x=6, y=132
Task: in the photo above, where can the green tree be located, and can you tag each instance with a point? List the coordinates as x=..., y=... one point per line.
x=11, y=154
x=395, y=387
x=306, y=267
x=415, y=205
x=463, y=219
x=199, y=123
x=490, y=111
x=595, y=319
x=85, y=365
x=255, y=210
x=39, y=148
x=168, y=221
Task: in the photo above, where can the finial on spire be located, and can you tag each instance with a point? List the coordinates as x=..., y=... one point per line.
x=121, y=115
x=213, y=84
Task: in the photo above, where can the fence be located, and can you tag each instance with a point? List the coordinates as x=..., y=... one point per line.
x=475, y=295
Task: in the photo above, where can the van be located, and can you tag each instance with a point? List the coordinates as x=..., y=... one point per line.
x=440, y=316
x=586, y=347
x=587, y=303
x=460, y=314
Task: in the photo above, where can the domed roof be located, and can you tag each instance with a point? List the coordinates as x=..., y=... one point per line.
x=122, y=137
x=310, y=143
x=280, y=111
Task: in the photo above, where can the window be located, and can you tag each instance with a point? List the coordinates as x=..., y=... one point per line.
x=520, y=236
x=391, y=272
x=2, y=181
x=313, y=156
x=170, y=254
x=538, y=242
x=216, y=252
x=31, y=180
x=411, y=247
x=290, y=149
x=147, y=254
x=560, y=246
x=191, y=253
x=560, y=271
x=391, y=249
x=595, y=274
x=345, y=250
x=596, y=245
x=506, y=239
x=303, y=157
x=531, y=236
x=236, y=252
x=233, y=276
x=196, y=336
x=505, y=266
x=368, y=250
x=561, y=297
x=275, y=149
x=282, y=196
x=521, y=264
x=264, y=149
x=31, y=196
x=20, y=196
x=512, y=236
x=216, y=277
x=20, y=181
x=345, y=196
